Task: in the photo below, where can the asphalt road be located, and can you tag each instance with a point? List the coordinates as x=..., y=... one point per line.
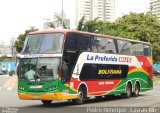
x=147, y=101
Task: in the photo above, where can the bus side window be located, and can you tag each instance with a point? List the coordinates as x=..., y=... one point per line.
x=137, y=49
x=95, y=45
x=147, y=50
x=110, y=46
x=127, y=49
x=84, y=42
x=71, y=42
x=104, y=45
x=124, y=47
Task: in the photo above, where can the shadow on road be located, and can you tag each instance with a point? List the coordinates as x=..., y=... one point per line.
x=59, y=104
x=70, y=107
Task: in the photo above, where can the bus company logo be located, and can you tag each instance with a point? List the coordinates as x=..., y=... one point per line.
x=125, y=59
x=109, y=71
x=102, y=58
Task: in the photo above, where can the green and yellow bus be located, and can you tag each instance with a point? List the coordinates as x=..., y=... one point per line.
x=76, y=65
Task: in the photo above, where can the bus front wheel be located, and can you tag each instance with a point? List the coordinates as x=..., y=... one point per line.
x=80, y=99
x=46, y=102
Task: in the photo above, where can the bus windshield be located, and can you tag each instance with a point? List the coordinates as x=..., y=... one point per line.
x=38, y=69
x=43, y=43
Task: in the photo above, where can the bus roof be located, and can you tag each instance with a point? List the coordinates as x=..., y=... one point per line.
x=76, y=31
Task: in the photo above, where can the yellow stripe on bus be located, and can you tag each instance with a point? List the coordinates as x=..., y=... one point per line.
x=138, y=70
x=51, y=96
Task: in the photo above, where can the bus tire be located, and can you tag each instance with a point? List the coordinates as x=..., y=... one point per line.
x=128, y=90
x=46, y=102
x=136, y=90
x=81, y=97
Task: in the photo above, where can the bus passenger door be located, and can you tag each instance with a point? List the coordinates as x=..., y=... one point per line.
x=70, y=54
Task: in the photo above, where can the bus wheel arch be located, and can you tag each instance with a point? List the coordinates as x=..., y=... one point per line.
x=136, y=89
x=128, y=89
x=82, y=94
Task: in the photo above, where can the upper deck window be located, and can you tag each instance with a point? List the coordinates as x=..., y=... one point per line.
x=91, y=43
x=43, y=43
x=133, y=48
x=147, y=50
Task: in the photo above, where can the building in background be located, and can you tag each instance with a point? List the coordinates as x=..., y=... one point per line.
x=155, y=8
x=6, y=50
x=91, y=9
x=57, y=21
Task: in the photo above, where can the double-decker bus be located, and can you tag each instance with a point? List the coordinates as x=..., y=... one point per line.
x=76, y=65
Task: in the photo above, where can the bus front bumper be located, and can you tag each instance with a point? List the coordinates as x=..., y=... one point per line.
x=50, y=96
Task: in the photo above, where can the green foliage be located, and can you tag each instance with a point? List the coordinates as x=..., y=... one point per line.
x=139, y=26
x=81, y=24
x=21, y=38
x=143, y=27
x=51, y=25
x=89, y=26
x=58, y=19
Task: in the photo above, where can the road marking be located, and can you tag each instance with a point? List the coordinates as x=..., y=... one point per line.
x=10, y=88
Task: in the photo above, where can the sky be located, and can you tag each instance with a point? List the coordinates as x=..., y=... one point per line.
x=18, y=15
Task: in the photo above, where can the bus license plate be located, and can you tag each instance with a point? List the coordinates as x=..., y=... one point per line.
x=36, y=97
x=39, y=86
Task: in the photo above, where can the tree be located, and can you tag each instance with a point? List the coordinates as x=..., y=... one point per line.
x=81, y=24
x=143, y=27
x=139, y=25
x=58, y=19
x=89, y=26
x=21, y=38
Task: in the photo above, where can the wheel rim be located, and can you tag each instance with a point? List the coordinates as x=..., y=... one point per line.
x=80, y=96
x=128, y=91
x=137, y=90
